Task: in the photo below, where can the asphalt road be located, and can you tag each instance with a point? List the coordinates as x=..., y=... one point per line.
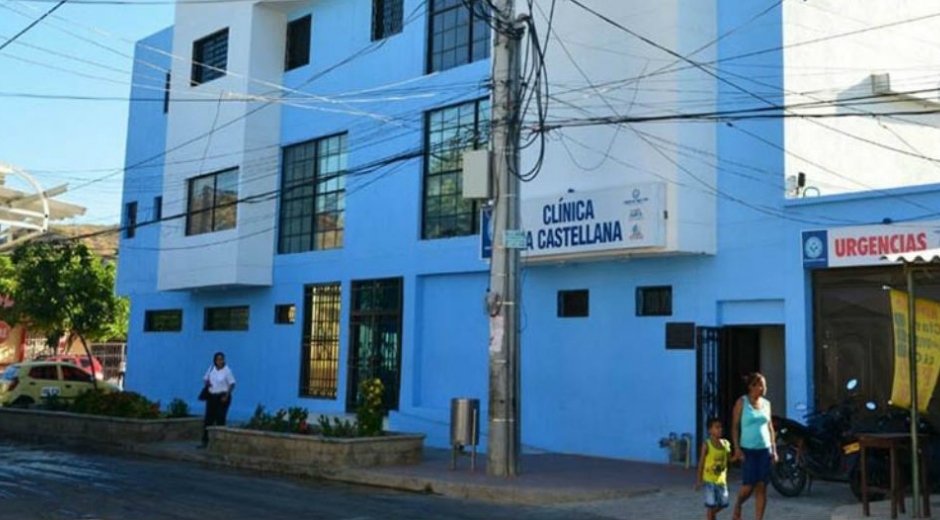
x=42, y=482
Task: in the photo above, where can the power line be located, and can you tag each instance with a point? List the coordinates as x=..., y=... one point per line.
x=33, y=24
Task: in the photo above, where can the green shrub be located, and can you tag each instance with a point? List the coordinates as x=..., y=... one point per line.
x=129, y=405
x=370, y=412
x=177, y=408
x=291, y=420
x=338, y=428
x=55, y=403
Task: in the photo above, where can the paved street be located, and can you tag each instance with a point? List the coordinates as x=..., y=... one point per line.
x=46, y=483
x=43, y=482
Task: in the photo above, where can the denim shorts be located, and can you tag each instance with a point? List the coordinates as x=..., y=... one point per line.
x=757, y=466
x=716, y=495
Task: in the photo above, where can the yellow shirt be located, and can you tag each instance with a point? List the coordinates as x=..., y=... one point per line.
x=716, y=462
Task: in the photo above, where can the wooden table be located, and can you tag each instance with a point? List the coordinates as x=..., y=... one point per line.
x=894, y=443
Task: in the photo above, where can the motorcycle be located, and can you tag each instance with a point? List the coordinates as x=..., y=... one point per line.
x=823, y=449
x=896, y=420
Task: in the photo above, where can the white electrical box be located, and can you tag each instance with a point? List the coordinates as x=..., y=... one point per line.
x=477, y=182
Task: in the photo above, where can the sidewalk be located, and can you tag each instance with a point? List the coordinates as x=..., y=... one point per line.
x=556, y=479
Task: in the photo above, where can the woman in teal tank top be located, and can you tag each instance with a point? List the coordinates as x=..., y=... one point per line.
x=754, y=443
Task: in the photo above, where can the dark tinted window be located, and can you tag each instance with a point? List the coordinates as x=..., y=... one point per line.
x=297, y=53
x=46, y=372
x=573, y=304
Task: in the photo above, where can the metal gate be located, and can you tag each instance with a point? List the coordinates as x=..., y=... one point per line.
x=708, y=342
x=375, y=339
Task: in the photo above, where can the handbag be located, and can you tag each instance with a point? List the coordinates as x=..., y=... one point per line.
x=204, y=395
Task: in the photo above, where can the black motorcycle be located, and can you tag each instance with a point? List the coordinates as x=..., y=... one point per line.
x=823, y=448
x=895, y=420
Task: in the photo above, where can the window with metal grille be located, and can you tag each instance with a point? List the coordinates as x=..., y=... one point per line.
x=212, y=203
x=313, y=196
x=226, y=318
x=284, y=314
x=375, y=339
x=210, y=57
x=573, y=304
x=297, y=52
x=386, y=18
x=458, y=33
x=449, y=133
x=164, y=320
x=130, y=219
x=319, y=368
x=654, y=301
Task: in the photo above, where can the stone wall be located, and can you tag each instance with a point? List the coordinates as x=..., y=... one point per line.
x=46, y=426
x=311, y=454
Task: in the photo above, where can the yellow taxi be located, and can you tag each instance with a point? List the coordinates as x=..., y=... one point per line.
x=28, y=383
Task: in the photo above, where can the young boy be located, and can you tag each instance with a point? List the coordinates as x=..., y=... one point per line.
x=713, y=469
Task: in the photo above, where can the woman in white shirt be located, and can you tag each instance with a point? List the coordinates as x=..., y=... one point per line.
x=221, y=383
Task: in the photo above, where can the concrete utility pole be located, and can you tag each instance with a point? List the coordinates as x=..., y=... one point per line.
x=504, y=297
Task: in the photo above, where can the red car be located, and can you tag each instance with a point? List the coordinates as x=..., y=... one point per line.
x=81, y=361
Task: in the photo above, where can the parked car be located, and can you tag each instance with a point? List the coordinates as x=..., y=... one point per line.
x=27, y=383
x=79, y=360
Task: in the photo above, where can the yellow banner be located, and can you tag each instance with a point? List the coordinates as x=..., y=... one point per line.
x=928, y=350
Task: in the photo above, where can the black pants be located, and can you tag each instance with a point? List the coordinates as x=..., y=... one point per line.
x=216, y=413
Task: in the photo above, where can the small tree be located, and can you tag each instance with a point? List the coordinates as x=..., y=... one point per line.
x=63, y=288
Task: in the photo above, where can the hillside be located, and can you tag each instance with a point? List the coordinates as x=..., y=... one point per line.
x=103, y=242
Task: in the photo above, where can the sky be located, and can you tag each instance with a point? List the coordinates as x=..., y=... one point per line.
x=82, y=50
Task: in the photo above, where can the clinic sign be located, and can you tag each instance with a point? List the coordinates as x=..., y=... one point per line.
x=865, y=245
x=601, y=221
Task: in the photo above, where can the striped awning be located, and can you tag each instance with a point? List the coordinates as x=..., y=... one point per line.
x=927, y=256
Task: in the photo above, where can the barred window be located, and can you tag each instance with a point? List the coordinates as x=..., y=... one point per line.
x=449, y=133
x=164, y=320
x=459, y=33
x=313, y=196
x=386, y=18
x=210, y=57
x=226, y=318
x=654, y=301
x=319, y=370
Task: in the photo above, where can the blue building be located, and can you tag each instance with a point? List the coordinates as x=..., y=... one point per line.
x=295, y=201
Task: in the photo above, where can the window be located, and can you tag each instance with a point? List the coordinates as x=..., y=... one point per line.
x=573, y=304
x=449, y=132
x=70, y=373
x=654, y=301
x=157, y=208
x=210, y=57
x=130, y=219
x=166, y=94
x=226, y=318
x=284, y=314
x=46, y=372
x=319, y=370
x=386, y=18
x=168, y=320
x=297, y=51
x=213, y=202
x=313, y=196
x=459, y=33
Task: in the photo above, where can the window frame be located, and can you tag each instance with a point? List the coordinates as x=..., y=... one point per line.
x=130, y=219
x=319, y=377
x=309, y=199
x=468, y=219
x=214, y=207
x=228, y=318
x=572, y=309
x=475, y=22
x=152, y=316
x=387, y=18
x=662, y=308
x=205, y=71
x=294, y=43
x=285, y=314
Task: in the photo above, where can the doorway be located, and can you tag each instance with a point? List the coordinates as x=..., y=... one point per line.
x=726, y=355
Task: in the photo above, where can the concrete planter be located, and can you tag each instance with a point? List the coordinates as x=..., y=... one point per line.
x=62, y=427
x=311, y=454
